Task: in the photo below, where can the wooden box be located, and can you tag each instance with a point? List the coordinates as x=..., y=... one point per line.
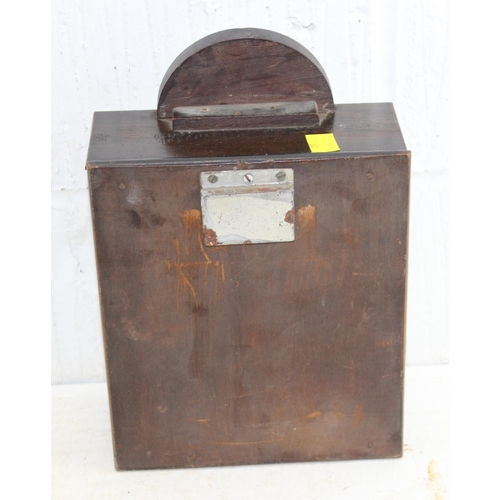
x=238, y=348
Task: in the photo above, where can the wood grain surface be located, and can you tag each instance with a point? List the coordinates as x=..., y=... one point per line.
x=254, y=353
x=242, y=66
x=138, y=138
x=82, y=464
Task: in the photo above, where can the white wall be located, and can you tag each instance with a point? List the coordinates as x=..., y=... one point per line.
x=112, y=54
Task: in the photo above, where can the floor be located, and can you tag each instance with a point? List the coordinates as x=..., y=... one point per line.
x=83, y=468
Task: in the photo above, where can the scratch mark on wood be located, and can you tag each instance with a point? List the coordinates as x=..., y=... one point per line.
x=357, y=416
x=202, y=247
x=252, y=393
x=189, y=286
x=307, y=217
x=243, y=443
x=274, y=65
x=169, y=264
x=178, y=288
x=182, y=277
x=314, y=414
x=191, y=219
x=385, y=343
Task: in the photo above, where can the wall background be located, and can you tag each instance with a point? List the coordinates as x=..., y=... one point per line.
x=112, y=56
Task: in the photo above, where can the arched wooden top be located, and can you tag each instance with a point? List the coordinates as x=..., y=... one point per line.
x=241, y=67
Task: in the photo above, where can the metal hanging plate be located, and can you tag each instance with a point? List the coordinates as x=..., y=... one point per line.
x=247, y=206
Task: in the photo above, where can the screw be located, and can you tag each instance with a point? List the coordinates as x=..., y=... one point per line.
x=248, y=177
x=369, y=175
x=212, y=178
x=281, y=176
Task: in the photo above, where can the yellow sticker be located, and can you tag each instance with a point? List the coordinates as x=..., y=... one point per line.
x=322, y=143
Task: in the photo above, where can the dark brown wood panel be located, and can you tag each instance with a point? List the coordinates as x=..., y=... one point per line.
x=253, y=353
x=243, y=66
x=137, y=136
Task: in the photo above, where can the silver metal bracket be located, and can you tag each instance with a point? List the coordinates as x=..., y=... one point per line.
x=247, y=206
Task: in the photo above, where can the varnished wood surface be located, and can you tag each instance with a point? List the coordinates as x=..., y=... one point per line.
x=242, y=66
x=136, y=137
x=273, y=115
x=254, y=353
x=82, y=464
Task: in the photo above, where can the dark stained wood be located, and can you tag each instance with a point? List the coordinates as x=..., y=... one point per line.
x=252, y=353
x=242, y=66
x=298, y=115
x=136, y=137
